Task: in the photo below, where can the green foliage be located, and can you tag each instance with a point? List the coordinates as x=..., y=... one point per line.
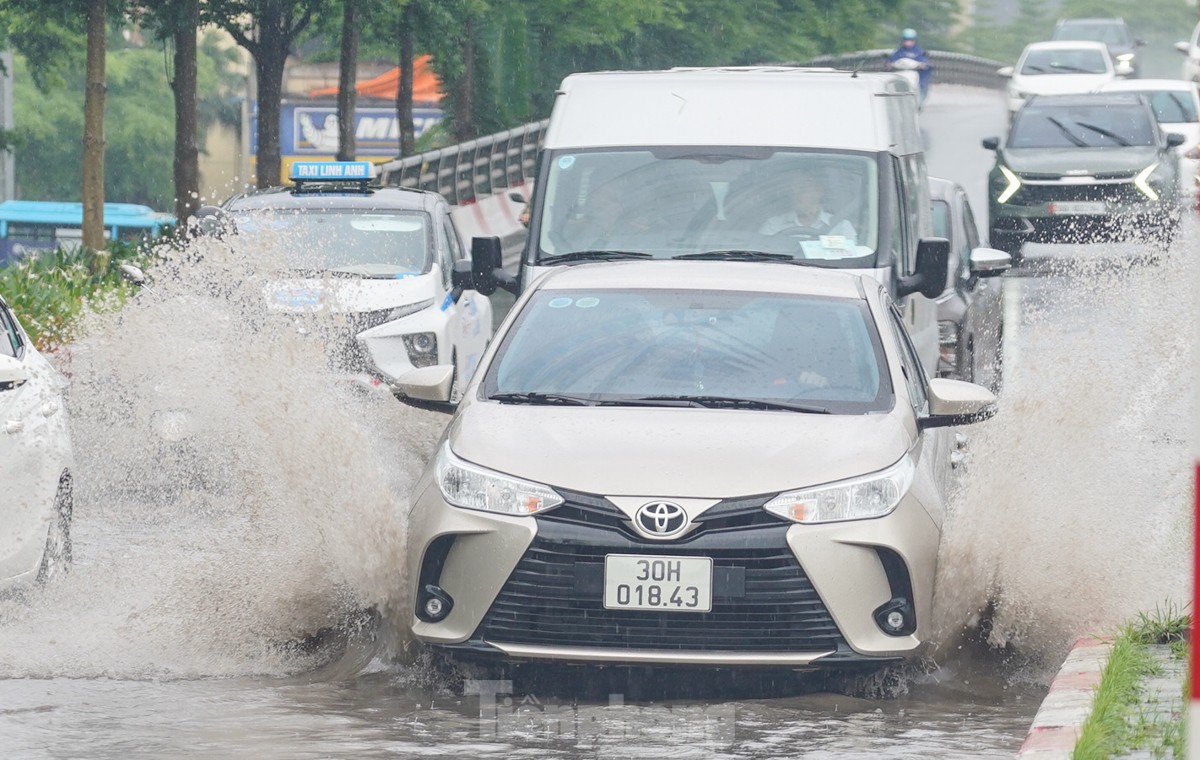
x=1107, y=731
x=139, y=126
x=49, y=292
x=1167, y=624
x=990, y=38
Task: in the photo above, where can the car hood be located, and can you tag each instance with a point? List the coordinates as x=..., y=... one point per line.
x=1059, y=84
x=345, y=295
x=1090, y=161
x=675, y=452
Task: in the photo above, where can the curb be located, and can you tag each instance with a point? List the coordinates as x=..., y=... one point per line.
x=1068, y=703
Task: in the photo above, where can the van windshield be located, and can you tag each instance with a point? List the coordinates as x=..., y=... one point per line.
x=667, y=202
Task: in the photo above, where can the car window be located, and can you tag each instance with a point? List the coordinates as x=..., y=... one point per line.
x=1109, y=34
x=1099, y=125
x=446, y=256
x=941, y=219
x=356, y=242
x=914, y=375
x=1039, y=62
x=12, y=344
x=1171, y=106
x=614, y=345
x=972, y=242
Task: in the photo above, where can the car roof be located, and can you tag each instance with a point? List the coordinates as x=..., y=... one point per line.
x=330, y=196
x=1066, y=45
x=1090, y=99
x=765, y=277
x=1148, y=85
x=1115, y=21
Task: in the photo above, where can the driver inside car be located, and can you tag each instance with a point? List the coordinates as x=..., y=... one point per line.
x=807, y=217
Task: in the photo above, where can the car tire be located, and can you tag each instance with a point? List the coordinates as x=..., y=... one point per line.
x=57, y=558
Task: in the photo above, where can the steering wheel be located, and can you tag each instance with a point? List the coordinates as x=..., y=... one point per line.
x=798, y=232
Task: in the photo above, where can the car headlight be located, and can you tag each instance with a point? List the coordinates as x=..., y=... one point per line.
x=1142, y=182
x=473, y=487
x=403, y=311
x=1006, y=184
x=860, y=498
x=1125, y=57
x=422, y=348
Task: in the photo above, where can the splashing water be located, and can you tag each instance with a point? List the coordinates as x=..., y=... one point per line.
x=233, y=493
x=1075, y=514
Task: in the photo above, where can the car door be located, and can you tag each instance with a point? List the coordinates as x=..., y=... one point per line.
x=30, y=450
x=469, y=326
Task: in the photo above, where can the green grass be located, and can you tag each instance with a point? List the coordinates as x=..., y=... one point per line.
x=49, y=292
x=1118, y=723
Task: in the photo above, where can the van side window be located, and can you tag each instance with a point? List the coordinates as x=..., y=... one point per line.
x=914, y=375
x=899, y=221
x=447, y=250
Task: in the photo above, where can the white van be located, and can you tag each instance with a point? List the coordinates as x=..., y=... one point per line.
x=707, y=163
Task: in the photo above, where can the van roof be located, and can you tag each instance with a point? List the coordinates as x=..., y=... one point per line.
x=765, y=105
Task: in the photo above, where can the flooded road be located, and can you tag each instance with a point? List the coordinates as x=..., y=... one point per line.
x=215, y=573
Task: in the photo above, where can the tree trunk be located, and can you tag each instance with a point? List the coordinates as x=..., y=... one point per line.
x=464, y=111
x=268, y=67
x=404, y=95
x=187, y=152
x=93, y=129
x=347, y=76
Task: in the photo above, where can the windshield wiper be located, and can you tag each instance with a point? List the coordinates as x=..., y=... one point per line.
x=1079, y=142
x=1119, y=140
x=1069, y=67
x=736, y=255
x=563, y=258
x=718, y=402
x=543, y=399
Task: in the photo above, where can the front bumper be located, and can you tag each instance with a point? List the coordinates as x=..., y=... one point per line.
x=532, y=588
x=1049, y=212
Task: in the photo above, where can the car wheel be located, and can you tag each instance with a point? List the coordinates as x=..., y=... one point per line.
x=56, y=558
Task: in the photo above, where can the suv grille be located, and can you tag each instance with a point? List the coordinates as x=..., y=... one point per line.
x=1035, y=195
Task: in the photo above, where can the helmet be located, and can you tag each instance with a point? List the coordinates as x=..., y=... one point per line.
x=908, y=34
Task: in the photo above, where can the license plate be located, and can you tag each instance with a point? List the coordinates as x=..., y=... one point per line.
x=1079, y=207
x=641, y=582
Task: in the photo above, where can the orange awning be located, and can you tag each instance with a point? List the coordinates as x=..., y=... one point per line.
x=427, y=88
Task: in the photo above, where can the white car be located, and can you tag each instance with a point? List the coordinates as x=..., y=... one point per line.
x=1176, y=105
x=369, y=269
x=35, y=461
x=1057, y=68
x=1191, y=49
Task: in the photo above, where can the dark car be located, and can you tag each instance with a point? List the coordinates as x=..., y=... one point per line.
x=1076, y=168
x=971, y=310
x=1113, y=32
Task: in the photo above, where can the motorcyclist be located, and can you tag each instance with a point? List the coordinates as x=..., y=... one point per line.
x=911, y=49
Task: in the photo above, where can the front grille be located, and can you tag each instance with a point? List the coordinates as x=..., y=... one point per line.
x=1036, y=195
x=596, y=511
x=763, y=601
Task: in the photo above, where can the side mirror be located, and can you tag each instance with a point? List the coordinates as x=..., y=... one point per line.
x=133, y=274
x=1174, y=139
x=486, y=266
x=988, y=262
x=1005, y=71
x=210, y=220
x=1123, y=68
x=1139, y=43
x=13, y=374
x=953, y=402
x=991, y=143
x=1183, y=47
x=462, y=277
x=933, y=259
x=426, y=384
x=517, y=196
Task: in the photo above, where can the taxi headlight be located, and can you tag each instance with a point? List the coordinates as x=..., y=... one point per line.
x=473, y=487
x=860, y=498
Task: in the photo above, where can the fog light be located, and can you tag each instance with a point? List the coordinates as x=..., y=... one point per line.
x=896, y=617
x=894, y=620
x=435, y=607
x=422, y=349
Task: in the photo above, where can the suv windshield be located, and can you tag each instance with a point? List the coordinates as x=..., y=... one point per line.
x=1110, y=33
x=692, y=348
x=1084, y=126
x=1069, y=61
x=667, y=202
x=345, y=241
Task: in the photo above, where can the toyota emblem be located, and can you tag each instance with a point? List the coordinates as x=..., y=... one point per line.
x=661, y=519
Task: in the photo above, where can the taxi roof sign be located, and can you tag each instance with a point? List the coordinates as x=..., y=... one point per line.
x=332, y=171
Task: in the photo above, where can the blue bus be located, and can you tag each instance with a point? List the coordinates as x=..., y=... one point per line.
x=27, y=226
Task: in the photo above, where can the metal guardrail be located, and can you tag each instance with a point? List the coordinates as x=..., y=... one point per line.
x=475, y=169
x=472, y=170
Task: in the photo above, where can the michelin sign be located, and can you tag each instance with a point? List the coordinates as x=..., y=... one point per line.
x=311, y=130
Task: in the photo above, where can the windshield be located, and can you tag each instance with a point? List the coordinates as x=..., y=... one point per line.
x=364, y=243
x=1171, y=106
x=666, y=202
x=1064, y=62
x=663, y=347
x=1094, y=126
x=1109, y=34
